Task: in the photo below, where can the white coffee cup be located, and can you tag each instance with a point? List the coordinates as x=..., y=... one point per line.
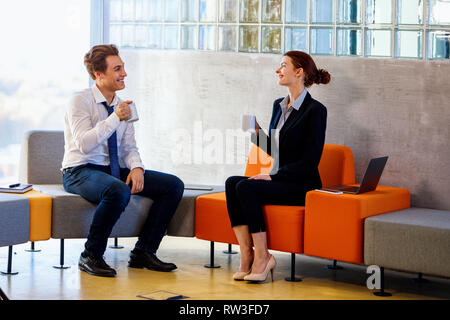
x=248, y=123
x=134, y=115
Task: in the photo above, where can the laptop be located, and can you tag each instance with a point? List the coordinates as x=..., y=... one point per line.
x=370, y=179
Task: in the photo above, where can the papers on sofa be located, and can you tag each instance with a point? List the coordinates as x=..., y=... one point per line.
x=198, y=187
x=327, y=191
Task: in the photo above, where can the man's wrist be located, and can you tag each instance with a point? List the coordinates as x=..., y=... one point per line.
x=142, y=169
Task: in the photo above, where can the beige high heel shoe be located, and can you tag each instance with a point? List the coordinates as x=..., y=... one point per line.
x=239, y=276
x=259, y=277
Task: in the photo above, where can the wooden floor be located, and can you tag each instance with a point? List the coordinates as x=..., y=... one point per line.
x=37, y=279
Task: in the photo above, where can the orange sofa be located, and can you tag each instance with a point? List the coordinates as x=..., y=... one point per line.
x=285, y=224
x=334, y=224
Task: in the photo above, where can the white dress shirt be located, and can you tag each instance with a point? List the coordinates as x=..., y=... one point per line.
x=88, y=127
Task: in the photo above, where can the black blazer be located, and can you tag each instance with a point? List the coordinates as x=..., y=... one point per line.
x=301, y=142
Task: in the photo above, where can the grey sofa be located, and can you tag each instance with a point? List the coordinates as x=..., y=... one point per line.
x=14, y=223
x=412, y=240
x=41, y=158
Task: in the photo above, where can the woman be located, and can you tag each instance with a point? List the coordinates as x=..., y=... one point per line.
x=296, y=139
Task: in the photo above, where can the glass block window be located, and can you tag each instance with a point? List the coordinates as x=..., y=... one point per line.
x=227, y=11
x=271, y=11
x=321, y=41
x=322, y=11
x=189, y=37
x=171, y=37
x=248, y=11
x=227, y=38
x=189, y=10
x=349, y=42
x=271, y=39
x=438, y=46
x=296, y=11
x=379, y=11
x=349, y=12
x=207, y=10
x=207, y=37
x=171, y=10
x=295, y=39
x=248, y=38
x=439, y=12
x=378, y=42
x=408, y=43
x=409, y=12
x=404, y=29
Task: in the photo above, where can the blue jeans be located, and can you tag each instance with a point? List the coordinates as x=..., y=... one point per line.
x=95, y=184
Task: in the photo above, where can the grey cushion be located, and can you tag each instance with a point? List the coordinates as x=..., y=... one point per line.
x=414, y=239
x=72, y=215
x=14, y=219
x=41, y=157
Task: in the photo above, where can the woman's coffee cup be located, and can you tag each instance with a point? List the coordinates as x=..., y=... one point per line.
x=248, y=123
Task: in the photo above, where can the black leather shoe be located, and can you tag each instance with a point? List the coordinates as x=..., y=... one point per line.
x=149, y=261
x=96, y=266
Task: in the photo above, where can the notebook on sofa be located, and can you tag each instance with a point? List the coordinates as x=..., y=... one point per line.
x=370, y=180
x=16, y=188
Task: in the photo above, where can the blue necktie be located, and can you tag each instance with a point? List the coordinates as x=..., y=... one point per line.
x=112, y=148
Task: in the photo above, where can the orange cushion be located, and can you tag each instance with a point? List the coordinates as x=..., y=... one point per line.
x=334, y=224
x=40, y=214
x=258, y=162
x=284, y=227
x=336, y=166
x=284, y=223
x=211, y=219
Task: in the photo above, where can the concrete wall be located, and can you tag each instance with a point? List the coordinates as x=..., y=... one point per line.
x=191, y=102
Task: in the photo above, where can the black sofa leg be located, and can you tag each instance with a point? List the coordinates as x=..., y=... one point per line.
x=333, y=266
x=230, y=250
x=61, y=257
x=8, y=271
x=420, y=279
x=211, y=259
x=32, y=248
x=116, y=244
x=292, y=278
x=382, y=293
x=3, y=295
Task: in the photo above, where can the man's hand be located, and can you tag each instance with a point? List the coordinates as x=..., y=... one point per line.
x=123, y=110
x=264, y=176
x=136, y=177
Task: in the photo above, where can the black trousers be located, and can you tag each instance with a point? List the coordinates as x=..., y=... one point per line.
x=245, y=198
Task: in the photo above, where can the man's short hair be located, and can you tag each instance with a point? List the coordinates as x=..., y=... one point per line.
x=95, y=59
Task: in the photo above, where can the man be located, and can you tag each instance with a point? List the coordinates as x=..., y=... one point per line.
x=102, y=164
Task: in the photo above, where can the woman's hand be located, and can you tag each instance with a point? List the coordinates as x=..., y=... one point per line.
x=257, y=127
x=264, y=176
